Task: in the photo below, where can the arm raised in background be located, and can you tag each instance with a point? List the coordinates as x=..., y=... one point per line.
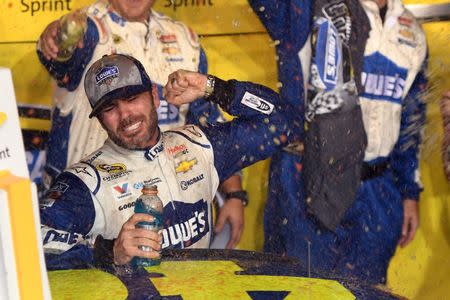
x=288, y=24
x=286, y=21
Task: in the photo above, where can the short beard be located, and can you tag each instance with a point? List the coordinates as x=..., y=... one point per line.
x=137, y=143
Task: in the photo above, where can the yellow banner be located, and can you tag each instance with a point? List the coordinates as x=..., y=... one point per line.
x=24, y=20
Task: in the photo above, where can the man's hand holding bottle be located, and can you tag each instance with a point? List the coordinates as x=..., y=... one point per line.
x=61, y=37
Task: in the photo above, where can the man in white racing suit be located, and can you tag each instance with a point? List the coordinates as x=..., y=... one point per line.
x=91, y=203
x=163, y=45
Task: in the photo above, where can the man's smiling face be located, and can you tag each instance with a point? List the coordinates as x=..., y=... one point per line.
x=131, y=122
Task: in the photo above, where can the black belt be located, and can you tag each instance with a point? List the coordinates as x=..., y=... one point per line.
x=370, y=171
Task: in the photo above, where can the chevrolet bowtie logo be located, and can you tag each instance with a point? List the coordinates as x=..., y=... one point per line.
x=185, y=165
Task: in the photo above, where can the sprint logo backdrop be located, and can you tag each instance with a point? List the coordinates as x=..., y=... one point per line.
x=22, y=22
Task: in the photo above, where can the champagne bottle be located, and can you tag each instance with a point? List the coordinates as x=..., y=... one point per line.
x=70, y=31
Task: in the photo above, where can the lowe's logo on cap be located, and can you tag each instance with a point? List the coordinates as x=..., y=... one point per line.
x=105, y=73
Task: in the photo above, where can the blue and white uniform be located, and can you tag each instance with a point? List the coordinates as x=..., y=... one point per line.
x=162, y=46
x=96, y=196
x=288, y=23
x=393, y=110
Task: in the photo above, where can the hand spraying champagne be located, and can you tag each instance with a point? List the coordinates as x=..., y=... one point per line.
x=70, y=31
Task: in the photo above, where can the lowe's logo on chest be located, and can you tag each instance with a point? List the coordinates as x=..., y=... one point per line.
x=185, y=224
x=383, y=79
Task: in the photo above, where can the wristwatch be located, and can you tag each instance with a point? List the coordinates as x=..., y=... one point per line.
x=209, y=89
x=241, y=195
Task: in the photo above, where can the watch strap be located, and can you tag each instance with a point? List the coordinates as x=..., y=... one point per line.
x=241, y=195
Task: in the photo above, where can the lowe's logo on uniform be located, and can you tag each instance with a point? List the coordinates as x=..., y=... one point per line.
x=57, y=241
x=328, y=53
x=383, y=79
x=185, y=224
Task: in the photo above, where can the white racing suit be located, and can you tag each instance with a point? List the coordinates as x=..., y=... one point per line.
x=96, y=196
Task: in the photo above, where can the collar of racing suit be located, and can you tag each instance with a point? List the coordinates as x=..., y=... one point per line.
x=150, y=153
x=102, y=7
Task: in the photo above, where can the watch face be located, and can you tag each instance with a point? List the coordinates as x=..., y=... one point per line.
x=209, y=86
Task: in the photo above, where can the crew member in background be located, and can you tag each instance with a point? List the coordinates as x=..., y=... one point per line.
x=385, y=212
x=89, y=204
x=163, y=46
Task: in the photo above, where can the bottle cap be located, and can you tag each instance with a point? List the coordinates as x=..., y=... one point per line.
x=150, y=189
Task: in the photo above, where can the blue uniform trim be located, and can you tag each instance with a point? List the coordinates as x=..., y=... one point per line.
x=97, y=175
x=190, y=140
x=117, y=19
x=404, y=158
x=250, y=137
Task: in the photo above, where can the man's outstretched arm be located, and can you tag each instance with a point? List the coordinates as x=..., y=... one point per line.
x=264, y=123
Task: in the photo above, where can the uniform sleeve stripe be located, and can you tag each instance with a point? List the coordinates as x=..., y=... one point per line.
x=190, y=140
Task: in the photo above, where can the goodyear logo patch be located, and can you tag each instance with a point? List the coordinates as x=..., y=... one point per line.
x=111, y=169
x=107, y=72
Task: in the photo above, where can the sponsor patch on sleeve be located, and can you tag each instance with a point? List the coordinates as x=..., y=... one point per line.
x=257, y=103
